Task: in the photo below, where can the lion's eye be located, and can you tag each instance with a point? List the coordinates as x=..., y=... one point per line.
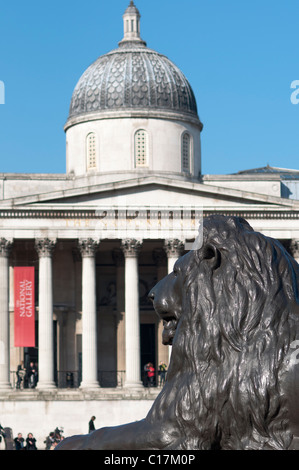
x=175, y=272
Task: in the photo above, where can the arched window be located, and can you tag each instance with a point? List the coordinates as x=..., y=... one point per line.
x=186, y=152
x=141, y=148
x=91, y=151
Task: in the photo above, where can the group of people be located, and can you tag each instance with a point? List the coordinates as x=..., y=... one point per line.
x=53, y=439
x=150, y=374
x=25, y=444
x=26, y=378
x=20, y=443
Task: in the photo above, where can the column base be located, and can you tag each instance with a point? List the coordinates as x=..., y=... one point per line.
x=45, y=386
x=134, y=385
x=5, y=387
x=86, y=386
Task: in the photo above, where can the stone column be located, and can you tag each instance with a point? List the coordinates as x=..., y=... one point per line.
x=44, y=248
x=88, y=249
x=131, y=249
x=173, y=248
x=294, y=248
x=118, y=258
x=5, y=246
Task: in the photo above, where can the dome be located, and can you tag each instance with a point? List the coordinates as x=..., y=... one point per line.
x=132, y=77
x=133, y=112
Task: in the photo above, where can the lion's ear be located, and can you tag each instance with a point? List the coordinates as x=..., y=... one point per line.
x=212, y=255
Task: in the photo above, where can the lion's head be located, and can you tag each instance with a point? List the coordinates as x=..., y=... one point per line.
x=230, y=310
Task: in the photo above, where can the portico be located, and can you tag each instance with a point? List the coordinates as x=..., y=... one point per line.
x=90, y=301
x=91, y=290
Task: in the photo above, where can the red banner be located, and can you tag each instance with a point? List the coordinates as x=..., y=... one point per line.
x=24, y=306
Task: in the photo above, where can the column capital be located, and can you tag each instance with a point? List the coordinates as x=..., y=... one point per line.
x=173, y=247
x=131, y=247
x=294, y=248
x=5, y=246
x=88, y=247
x=44, y=247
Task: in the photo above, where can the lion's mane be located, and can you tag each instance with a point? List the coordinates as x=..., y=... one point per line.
x=224, y=385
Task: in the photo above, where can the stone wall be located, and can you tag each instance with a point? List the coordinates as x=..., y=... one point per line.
x=71, y=410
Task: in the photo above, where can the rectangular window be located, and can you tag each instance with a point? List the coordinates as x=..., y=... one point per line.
x=186, y=153
x=141, y=148
x=91, y=151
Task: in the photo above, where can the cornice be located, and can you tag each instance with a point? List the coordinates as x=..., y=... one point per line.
x=170, y=115
x=93, y=213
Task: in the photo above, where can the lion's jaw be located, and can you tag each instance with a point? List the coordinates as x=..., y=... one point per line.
x=170, y=320
x=167, y=305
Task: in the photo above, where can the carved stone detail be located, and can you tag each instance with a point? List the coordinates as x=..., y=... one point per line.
x=88, y=247
x=44, y=247
x=131, y=247
x=173, y=247
x=5, y=247
x=294, y=248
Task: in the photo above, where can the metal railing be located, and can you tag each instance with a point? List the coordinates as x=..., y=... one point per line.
x=72, y=379
x=106, y=378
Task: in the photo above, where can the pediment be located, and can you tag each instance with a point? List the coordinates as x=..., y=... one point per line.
x=148, y=191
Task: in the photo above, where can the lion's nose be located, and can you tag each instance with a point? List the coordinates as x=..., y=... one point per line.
x=151, y=295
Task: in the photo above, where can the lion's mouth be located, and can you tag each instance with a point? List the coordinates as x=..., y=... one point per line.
x=170, y=324
x=169, y=331
x=170, y=321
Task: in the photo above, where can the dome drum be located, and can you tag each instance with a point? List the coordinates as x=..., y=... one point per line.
x=116, y=146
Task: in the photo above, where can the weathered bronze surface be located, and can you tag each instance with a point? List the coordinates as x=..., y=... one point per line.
x=231, y=312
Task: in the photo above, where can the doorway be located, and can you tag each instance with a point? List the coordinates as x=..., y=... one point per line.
x=147, y=348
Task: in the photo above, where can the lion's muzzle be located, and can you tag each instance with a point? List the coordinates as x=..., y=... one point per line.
x=166, y=306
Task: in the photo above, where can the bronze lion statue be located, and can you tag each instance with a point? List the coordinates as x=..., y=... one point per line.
x=231, y=312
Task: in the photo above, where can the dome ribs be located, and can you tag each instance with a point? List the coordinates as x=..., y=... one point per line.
x=132, y=78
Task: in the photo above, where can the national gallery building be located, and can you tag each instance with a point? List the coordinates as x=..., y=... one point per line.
x=100, y=236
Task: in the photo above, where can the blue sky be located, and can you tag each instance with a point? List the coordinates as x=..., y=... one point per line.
x=239, y=57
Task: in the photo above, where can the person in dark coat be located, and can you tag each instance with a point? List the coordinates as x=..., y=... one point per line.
x=21, y=372
x=19, y=442
x=50, y=440
x=30, y=442
x=91, y=426
x=32, y=375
